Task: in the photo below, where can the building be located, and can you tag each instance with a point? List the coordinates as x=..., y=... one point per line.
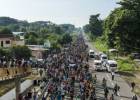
x=37, y=51
x=19, y=41
x=6, y=40
x=9, y=40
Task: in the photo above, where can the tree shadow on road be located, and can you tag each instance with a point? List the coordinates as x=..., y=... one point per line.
x=126, y=74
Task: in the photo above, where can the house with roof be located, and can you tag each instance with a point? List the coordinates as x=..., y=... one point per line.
x=37, y=51
x=6, y=40
x=9, y=40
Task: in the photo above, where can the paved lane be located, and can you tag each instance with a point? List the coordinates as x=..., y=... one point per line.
x=11, y=94
x=125, y=90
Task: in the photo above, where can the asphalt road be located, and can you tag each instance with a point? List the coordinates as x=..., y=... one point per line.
x=125, y=90
x=11, y=94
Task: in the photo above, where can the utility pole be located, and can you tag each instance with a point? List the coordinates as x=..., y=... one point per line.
x=18, y=88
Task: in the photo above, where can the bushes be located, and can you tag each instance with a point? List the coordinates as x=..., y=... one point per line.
x=100, y=44
x=126, y=65
x=18, y=52
x=21, y=52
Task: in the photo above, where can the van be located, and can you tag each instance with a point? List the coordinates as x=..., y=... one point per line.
x=91, y=53
x=98, y=65
x=103, y=57
x=96, y=56
x=111, y=66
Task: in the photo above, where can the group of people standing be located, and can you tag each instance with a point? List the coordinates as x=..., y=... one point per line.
x=68, y=73
x=4, y=63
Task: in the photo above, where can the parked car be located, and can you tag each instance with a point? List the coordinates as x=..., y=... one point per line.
x=111, y=66
x=135, y=55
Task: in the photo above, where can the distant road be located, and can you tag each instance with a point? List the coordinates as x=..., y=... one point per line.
x=125, y=90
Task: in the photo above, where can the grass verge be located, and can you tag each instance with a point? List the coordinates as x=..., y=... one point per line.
x=100, y=45
x=6, y=86
x=130, y=79
x=126, y=65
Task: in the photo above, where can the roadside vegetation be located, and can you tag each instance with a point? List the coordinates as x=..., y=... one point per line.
x=132, y=78
x=120, y=30
x=6, y=86
x=100, y=44
x=36, y=33
x=127, y=65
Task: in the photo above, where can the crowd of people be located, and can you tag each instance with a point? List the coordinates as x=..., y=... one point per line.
x=70, y=67
x=69, y=77
x=4, y=63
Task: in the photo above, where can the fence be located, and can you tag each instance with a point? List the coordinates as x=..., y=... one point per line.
x=13, y=71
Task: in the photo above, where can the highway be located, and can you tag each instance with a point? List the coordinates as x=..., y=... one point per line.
x=57, y=87
x=125, y=90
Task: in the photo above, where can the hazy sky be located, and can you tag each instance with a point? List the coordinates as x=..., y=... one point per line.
x=76, y=12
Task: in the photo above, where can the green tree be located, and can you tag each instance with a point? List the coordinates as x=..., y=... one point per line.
x=86, y=28
x=32, y=40
x=2, y=52
x=95, y=25
x=55, y=46
x=21, y=52
x=6, y=53
x=5, y=31
x=58, y=30
x=121, y=27
x=66, y=38
x=27, y=35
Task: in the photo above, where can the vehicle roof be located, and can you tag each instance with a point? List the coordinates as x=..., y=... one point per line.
x=97, y=61
x=72, y=65
x=112, y=62
x=91, y=50
x=135, y=53
x=96, y=53
x=103, y=55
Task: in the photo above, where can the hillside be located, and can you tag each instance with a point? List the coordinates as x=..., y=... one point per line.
x=37, y=26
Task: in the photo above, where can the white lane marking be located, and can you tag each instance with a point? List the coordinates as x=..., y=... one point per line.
x=110, y=80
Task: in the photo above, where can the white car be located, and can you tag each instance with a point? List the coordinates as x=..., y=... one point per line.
x=91, y=53
x=103, y=57
x=98, y=65
x=111, y=66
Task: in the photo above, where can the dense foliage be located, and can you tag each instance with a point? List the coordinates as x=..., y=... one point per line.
x=122, y=26
x=38, y=26
x=66, y=38
x=18, y=52
x=121, y=29
x=95, y=25
x=36, y=33
x=5, y=31
x=21, y=52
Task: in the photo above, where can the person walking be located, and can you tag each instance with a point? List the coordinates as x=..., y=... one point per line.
x=113, y=75
x=116, y=89
x=106, y=91
x=112, y=97
x=133, y=86
x=134, y=97
x=104, y=83
x=95, y=79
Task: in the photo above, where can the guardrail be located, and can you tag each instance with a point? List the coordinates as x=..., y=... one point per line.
x=8, y=73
